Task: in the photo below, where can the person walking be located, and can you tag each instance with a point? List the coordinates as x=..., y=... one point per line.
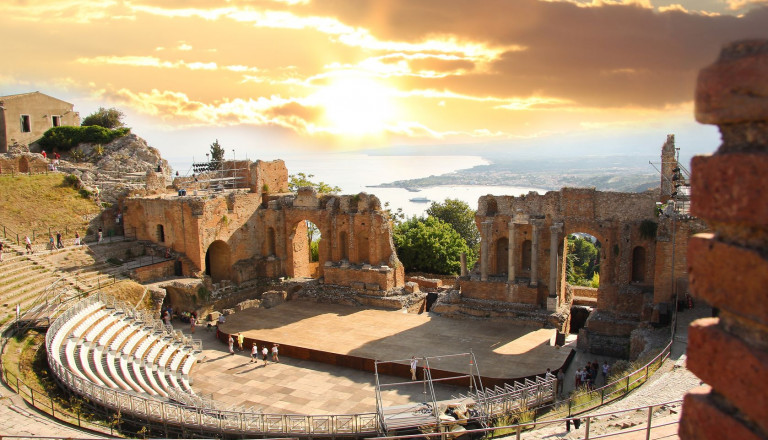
x=101, y=234
x=192, y=322
x=255, y=353
x=59, y=243
x=231, y=345
x=264, y=354
x=1, y=251
x=240, y=340
x=51, y=245
x=414, y=363
x=77, y=238
x=274, y=353
x=606, y=372
x=28, y=244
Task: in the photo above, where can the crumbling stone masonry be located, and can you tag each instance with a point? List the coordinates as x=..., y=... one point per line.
x=728, y=268
x=240, y=235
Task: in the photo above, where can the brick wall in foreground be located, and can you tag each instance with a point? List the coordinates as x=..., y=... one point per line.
x=729, y=268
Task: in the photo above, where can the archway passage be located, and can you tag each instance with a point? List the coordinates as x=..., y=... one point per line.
x=582, y=260
x=306, y=250
x=502, y=256
x=217, y=261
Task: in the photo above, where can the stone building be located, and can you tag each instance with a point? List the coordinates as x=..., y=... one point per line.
x=26, y=116
x=642, y=262
x=261, y=230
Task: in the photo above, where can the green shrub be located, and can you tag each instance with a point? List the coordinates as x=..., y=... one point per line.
x=65, y=138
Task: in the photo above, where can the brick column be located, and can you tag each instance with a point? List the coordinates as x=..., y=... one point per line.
x=484, y=249
x=511, y=253
x=554, y=244
x=728, y=268
x=535, y=253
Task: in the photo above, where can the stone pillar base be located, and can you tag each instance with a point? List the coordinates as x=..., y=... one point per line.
x=551, y=303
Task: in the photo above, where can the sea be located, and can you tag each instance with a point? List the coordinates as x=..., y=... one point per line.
x=356, y=172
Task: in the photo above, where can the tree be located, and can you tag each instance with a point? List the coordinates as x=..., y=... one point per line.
x=296, y=181
x=429, y=245
x=582, y=261
x=217, y=154
x=105, y=117
x=461, y=217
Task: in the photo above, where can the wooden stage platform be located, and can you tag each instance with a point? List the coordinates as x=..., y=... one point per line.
x=354, y=337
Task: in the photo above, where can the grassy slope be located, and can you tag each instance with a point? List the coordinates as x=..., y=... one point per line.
x=41, y=201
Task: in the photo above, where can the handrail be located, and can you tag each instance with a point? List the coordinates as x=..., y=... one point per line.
x=519, y=428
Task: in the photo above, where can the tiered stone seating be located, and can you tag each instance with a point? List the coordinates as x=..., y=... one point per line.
x=117, y=349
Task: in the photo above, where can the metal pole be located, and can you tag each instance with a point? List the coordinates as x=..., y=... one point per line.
x=648, y=431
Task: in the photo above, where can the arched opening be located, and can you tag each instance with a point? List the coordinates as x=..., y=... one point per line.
x=270, y=241
x=217, y=261
x=638, y=264
x=306, y=250
x=526, y=255
x=343, y=246
x=160, y=234
x=582, y=260
x=491, y=208
x=502, y=256
x=23, y=165
x=579, y=316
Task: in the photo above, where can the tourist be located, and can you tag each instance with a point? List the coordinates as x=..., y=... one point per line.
x=167, y=318
x=240, y=340
x=101, y=235
x=51, y=245
x=59, y=244
x=28, y=244
x=192, y=322
x=414, y=364
x=45, y=155
x=1, y=251
x=77, y=238
x=577, y=381
x=264, y=354
x=606, y=371
x=560, y=381
x=231, y=345
x=274, y=353
x=255, y=353
x=221, y=320
x=56, y=157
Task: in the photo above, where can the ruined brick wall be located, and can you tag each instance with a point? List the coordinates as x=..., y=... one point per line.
x=484, y=290
x=23, y=163
x=729, y=269
x=153, y=272
x=372, y=278
x=269, y=177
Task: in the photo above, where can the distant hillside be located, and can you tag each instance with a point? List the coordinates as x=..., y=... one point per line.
x=40, y=201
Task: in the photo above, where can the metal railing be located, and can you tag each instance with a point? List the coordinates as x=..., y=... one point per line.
x=528, y=428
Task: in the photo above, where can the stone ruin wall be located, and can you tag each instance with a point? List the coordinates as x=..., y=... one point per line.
x=23, y=163
x=249, y=238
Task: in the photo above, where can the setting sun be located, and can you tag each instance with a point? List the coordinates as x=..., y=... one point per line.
x=356, y=106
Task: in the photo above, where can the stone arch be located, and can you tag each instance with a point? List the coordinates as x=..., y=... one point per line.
x=638, y=264
x=601, y=251
x=304, y=265
x=343, y=246
x=502, y=256
x=525, y=251
x=23, y=164
x=218, y=261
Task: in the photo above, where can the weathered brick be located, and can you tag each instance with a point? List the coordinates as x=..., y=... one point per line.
x=718, y=101
x=730, y=188
x=731, y=367
x=702, y=419
x=711, y=261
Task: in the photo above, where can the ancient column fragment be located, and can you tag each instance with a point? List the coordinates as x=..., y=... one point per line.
x=554, y=243
x=535, y=253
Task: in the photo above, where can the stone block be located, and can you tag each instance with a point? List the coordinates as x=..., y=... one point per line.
x=372, y=286
x=357, y=285
x=730, y=188
x=213, y=316
x=702, y=419
x=711, y=262
x=730, y=366
x=273, y=298
x=411, y=287
x=735, y=88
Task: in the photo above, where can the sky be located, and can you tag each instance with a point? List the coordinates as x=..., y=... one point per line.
x=272, y=77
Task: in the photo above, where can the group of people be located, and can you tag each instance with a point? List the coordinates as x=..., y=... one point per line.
x=254, y=349
x=54, y=164
x=587, y=376
x=58, y=243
